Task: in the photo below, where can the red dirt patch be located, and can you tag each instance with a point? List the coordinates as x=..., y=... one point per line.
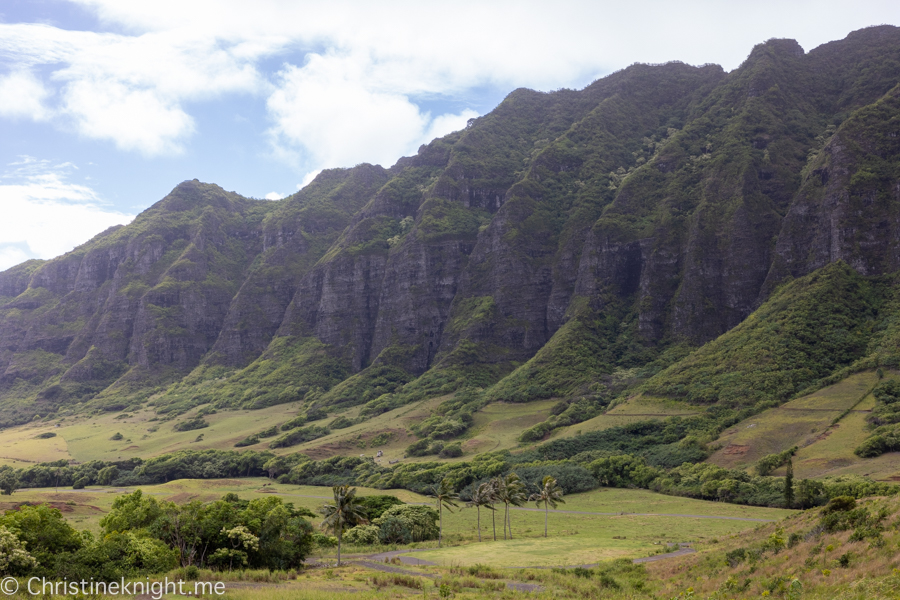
x=736, y=449
x=131, y=448
x=820, y=436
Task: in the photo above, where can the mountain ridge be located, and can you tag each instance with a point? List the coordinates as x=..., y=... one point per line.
x=552, y=247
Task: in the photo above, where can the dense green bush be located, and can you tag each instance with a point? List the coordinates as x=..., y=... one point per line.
x=453, y=450
x=298, y=436
x=418, y=523
x=363, y=535
x=770, y=462
x=191, y=424
x=376, y=505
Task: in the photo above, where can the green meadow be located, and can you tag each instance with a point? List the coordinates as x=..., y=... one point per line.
x=598, y=525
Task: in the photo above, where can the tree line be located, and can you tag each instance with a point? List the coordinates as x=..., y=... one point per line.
x=576, y=464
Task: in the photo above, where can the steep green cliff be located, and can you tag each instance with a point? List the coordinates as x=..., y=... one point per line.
x=566, y=245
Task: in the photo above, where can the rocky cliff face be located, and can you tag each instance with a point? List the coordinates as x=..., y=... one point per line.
x=561, y=237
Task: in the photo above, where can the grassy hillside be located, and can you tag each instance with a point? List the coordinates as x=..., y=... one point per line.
x=826, y=426
x=806, y=331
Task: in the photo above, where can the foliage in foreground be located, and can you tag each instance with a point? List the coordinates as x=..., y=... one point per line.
x=142, y=536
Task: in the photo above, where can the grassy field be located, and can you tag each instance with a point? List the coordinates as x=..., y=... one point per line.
x=637, y=408
x=764, y=562
x=635, y=523
x=574, y=538
x=807, y=422
x=497, y=426
x=827, y=565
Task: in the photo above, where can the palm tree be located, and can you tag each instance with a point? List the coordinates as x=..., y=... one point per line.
x=550, y=494
x=483, y=496
x=510, y=490
x=346, y=512
x=446, y=498
x=495, y=497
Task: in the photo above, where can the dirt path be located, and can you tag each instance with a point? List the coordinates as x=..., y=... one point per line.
x=380, y=562
x=631, y=514
x=628, y=514
x=855, y=410
x=683, y=549
x=383, y=557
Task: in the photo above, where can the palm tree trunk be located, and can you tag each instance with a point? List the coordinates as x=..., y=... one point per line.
x=494, y=521
x=546, y=515
x=505, y=518
x=441, y=530
x=478, y=508
x=509, y=521
x=340, y=536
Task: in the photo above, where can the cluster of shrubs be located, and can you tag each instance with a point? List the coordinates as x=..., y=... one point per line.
x=884, y=420
x=142, y=535
x=710, y=482
x=399, y=524
x=451, y=419
x=564, y=414
x=770, y=462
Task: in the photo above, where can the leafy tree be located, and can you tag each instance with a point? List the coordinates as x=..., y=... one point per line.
x=131, y=511
x=285, y=537
x=346, y=512
x=482, y=496
x=551, y=495
x=363, y=535
x=377, y=505
x=181, y=527
x=242, y=541
x=43, y=531
x=419, y=521
x=446, y=497
x=9, y=482
x=810, y=493
x=623, y=470
x=770, y=462
x=116, y=555
x=14, y=559
x=107, y=475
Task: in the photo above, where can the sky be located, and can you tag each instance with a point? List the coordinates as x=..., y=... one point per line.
x=106, y=105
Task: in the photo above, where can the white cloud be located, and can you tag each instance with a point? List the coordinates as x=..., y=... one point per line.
x=130, y=90
x=274, y=196
x=22, y=95
x=44, y=215
x=355, y=97
x=135, y=119
x=335, y=113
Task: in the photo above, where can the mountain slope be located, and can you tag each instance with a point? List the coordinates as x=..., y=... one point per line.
x=567, y=244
